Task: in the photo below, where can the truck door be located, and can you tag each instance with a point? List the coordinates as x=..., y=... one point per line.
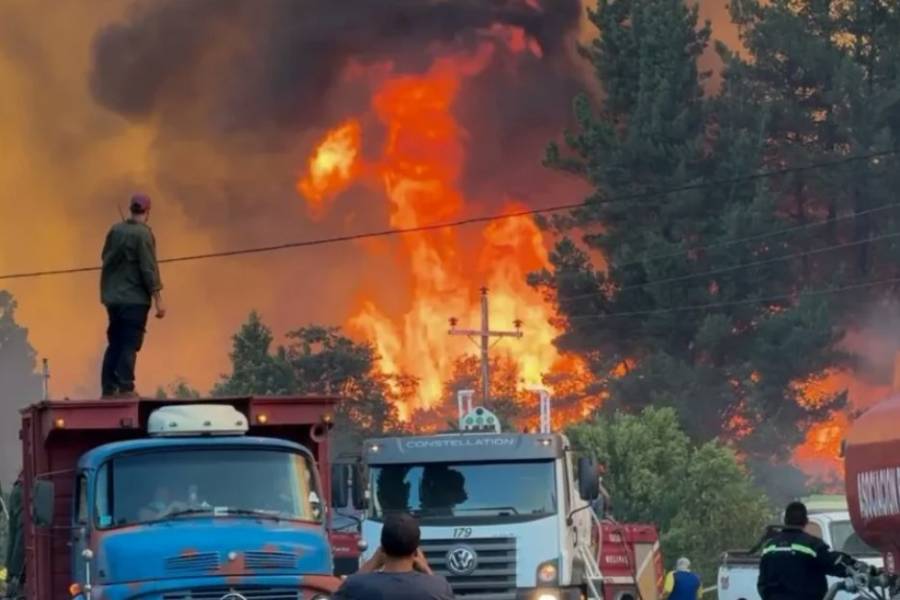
x=579, y=533
x=81, y=525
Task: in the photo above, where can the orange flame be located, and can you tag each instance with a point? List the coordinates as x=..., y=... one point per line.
x=332, y=166
x=419, y=171
x=820, y=453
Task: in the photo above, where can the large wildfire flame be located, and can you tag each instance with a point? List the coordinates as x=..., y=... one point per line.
x=419, y=171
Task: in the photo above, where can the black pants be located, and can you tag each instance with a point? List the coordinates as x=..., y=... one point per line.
x=125, y=335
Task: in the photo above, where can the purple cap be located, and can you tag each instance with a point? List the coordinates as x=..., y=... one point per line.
x=140, y=203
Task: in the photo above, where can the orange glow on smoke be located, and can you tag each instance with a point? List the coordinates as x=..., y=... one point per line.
x=820, y=452
x=418, y=172
x=332, y=166
x=516, y=39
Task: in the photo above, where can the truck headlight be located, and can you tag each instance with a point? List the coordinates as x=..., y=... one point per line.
x=548, y=596
x=321, y=597
x=548, y=573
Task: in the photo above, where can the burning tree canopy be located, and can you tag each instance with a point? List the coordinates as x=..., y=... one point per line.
x=726, y=332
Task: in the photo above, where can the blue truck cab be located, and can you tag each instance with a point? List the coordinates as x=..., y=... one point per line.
x=197, y=510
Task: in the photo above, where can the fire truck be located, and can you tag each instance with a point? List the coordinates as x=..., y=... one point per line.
x=164, y=499
x=872, y=465
x=509, y=516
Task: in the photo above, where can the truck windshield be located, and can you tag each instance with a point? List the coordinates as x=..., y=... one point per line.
x=845, y=539
x=171, y=484
x=465, y=490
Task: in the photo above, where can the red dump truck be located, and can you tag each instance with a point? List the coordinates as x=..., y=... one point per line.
x=872, y=461
x=178, y=500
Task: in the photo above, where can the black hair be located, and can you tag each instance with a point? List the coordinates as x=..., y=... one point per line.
x=400, y=535
x=795, y=515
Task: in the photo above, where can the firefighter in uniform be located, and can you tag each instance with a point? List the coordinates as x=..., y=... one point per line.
x=794, y=564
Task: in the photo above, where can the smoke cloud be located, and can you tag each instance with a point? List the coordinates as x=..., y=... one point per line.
x=212, y=107
x=277, y=62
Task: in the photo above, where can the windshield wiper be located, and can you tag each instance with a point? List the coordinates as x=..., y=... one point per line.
x=509, y=509
x=247, y=512
x=187, y=511
x=224, y=511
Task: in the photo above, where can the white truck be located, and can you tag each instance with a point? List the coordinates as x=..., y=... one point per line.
x=828, y=520
x=504, y=516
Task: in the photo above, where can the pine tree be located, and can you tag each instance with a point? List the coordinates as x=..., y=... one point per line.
x=255, y=369
x=827, y=78
x=730, y=369
x=20, y=385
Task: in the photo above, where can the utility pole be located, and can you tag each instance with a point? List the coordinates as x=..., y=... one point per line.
x=45, y=376
x=485, y=334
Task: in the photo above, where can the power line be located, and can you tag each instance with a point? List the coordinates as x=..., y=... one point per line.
x=637, y=313
x=739, y=267
x=476, y=220
x=757, y=237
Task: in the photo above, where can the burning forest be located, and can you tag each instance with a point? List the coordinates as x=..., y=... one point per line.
x=260, y=123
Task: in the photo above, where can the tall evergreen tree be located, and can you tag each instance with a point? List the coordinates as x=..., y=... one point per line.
x=255, y=369
x=731, y=368
x=20, y=385
x=821, y=79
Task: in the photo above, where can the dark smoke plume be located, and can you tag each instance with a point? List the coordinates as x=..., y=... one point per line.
x=276, y=61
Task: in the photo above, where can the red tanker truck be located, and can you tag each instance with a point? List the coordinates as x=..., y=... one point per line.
x=872, y=461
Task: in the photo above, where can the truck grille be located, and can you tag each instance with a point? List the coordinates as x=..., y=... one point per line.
x=267, y=561
x=250, y=593
x=494, y=577
x=192, y=563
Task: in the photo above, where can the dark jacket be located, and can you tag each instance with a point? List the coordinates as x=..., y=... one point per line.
x=794, y=565
x=130, y=272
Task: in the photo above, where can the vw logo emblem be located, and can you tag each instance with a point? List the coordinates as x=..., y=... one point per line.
x=233, y=596
x=462, y=560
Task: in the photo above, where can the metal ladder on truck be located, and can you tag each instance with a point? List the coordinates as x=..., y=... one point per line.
x=590, y=557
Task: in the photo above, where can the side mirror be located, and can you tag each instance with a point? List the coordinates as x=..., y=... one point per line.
x=340, y=481
x=588, y=479
x=42, y=503
x=359, y=479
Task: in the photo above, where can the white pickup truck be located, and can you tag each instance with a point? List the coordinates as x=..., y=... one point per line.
x=740, y=569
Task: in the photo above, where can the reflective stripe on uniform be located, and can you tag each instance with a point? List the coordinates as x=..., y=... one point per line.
x=670, y=582
x=792, y=548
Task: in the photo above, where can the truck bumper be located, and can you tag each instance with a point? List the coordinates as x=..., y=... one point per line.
x=556, y=593
x=213, y=588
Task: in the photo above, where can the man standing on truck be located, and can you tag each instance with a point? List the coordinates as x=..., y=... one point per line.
x=129, y=284
x=794, y=564
x=398, y=569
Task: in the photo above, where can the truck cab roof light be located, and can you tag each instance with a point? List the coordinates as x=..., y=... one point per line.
x=262, y=419
x=196, y=419
x=374, y=448
x=479, y=419
x=60, y=423
x=545, y=441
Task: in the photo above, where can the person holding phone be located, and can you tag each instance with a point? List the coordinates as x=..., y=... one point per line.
x=398, y=569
